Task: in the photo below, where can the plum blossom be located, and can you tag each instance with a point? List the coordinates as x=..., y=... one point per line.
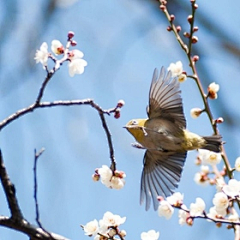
x=176, y=199
x=42, y=55
x=165, y=209
x=177, y=71
x=111, y=220
x=150, y=235
x=91, y=228
x=237, y=164
x=220, y=200
x=76, y=64
x=115, y=181
x=183, y=215
x=197, y=208
x=57, y=47
x=209, y=157
x=232, y=189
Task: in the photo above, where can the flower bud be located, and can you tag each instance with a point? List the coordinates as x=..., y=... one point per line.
x=190, y=18
x=73, y=43
x=70, y=35
x=162, y=7
x=194, y=39
x=213, y=88
x=195, y=58
x=219, y=120
x=172, y=17
x=178, y=28
x=117, y=113
x=195, y=29
x=195, y=112
x=120, y=103
x=122, y=233
x=195, y=6
x=95, y=177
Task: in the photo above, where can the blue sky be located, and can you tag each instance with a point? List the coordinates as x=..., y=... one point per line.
x=123, y=41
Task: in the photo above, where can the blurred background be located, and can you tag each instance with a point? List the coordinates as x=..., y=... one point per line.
x=123, y=41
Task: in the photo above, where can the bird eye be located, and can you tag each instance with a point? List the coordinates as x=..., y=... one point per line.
x=134, y=122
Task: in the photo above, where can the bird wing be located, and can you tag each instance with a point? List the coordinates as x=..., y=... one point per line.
x=160, y=176
x=164, y=98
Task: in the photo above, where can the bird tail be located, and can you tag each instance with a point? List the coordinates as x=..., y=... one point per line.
x=213, y=143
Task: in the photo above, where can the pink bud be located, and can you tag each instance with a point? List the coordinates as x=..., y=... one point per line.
x=73, y=43
x=70, y=35
x=120, y=103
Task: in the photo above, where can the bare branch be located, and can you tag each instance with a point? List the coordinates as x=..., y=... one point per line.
x=10, y=192
x=36, y=156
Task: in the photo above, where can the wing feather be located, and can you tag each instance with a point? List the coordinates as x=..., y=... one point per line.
x=161, y=175
x=164, y=98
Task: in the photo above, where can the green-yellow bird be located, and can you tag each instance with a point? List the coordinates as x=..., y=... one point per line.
x=165, y=138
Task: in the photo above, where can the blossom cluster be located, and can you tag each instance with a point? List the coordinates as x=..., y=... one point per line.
x=106, y=228
x=109, y=178
x=74, y=57
x=207, y=159
x=222, y=210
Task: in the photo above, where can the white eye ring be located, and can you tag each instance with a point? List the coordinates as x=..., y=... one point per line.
x=134, y=122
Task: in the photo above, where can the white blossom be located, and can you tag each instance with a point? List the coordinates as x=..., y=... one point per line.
x=91, y=228
x=176, y=68
x=232, y=189
x=109, y=180
x=150, y=235
x=165, y=209
x=199, y=179
x=57, y=47
x=42, y=55
x=197, y=208
x=205, y=169
x=112, y=220
x=216, y=213
x=209, y=157
x=220, y=183
x=76, y=64
x=220, y=200
x=234, y=217
x=176, y=199
x=183, y=215
x=237, y=164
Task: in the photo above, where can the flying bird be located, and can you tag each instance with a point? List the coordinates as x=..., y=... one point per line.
x=164, y=136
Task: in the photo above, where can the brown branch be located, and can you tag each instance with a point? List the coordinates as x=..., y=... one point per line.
x=90, y=102
x=17, y=221
x=195, y=76
x=10, y=193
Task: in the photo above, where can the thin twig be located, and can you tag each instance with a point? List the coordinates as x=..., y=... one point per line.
x=36, y=156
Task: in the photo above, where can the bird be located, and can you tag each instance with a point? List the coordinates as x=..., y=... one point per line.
x=165, y=138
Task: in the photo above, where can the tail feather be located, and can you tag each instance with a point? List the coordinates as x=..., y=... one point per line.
x=213, y=143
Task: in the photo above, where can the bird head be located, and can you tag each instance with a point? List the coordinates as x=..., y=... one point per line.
x=136, y=128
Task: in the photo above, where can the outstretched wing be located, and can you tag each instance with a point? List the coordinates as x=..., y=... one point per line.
x=164, y=98
x=161, y=175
